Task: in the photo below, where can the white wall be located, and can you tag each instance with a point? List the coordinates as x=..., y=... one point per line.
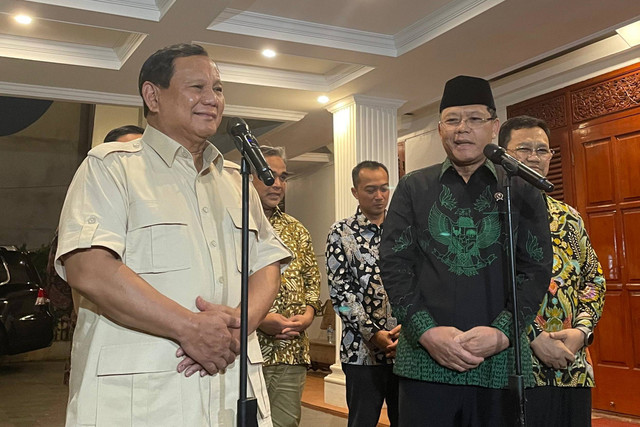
x=310, y=199
x=108, y=117
x=423, y=149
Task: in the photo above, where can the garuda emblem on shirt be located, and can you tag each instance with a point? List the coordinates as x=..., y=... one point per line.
x=462, y=236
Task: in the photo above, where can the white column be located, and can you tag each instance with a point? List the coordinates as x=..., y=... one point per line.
x=364, y=128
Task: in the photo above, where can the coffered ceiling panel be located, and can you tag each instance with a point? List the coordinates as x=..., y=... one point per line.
x=152, y=10
x=66, y=43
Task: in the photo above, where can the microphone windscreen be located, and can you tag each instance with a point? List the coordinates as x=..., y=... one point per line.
x=494, y=153
x=237, y=127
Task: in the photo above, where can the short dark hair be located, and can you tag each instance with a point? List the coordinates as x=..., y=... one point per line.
x=269, y=151
x=116, y=133
x=158, y=68
x=367, y=164
x=520, y=122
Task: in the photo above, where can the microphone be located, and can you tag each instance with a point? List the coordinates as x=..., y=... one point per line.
x=499, y=156
x=248, y=146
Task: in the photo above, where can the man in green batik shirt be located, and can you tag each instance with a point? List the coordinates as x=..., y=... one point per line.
x=282, y=334
x=443, y=260
x=574, y=301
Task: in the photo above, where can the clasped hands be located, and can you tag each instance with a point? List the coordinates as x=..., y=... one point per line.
x=387, y=341
x=558, y=349
x=286, y=328
x=211, y=342
x=463, y=350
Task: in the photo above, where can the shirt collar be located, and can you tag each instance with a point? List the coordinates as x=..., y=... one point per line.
x=277, y=213
x=487, y=163
x=168, y=148
x=362, y=219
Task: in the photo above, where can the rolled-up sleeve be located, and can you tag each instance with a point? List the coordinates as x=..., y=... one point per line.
x=270, y=248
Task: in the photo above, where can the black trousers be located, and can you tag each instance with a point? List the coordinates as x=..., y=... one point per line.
x=428, y=404
x=558, y=406
x=367, y=388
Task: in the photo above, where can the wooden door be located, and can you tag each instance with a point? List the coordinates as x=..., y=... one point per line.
x=607, y=179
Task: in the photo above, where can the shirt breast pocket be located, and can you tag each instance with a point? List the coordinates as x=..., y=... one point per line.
x=157, y=238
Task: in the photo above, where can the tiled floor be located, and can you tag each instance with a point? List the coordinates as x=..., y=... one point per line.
x=32, y=395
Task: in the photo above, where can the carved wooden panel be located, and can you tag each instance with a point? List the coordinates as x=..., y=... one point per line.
x=631, y=224
x=597, y=157
x=628, y=168
x=607, y=97
x=602, y=231
x=552, y=111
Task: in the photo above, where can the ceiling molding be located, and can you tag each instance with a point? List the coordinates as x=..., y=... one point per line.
x=431, y=26
x=94, y=97
x=274, y=27
x=150, y=10
x=263, y=113
x=270, y=77
x=345, y=75
x=68, y=94
x=69, y=53
x=312, y=157
x=442, y=20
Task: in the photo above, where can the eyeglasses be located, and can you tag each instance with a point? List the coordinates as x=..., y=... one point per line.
x=526, y=152
x=472, y=122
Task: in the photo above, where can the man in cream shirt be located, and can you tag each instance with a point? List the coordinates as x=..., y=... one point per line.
x=150, y=243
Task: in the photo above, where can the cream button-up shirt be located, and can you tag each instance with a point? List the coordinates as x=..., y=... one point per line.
x=180, y=230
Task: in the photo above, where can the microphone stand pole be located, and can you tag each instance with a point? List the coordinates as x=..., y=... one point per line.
x=247, y=407
x=516, y=382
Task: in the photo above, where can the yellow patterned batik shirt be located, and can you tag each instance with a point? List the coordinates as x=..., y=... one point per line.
x=299, y=288
x=575, y=296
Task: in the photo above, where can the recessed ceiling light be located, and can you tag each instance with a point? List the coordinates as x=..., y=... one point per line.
x=630, y=33
x=323, y=99
x=23, y=19
x=269, y=53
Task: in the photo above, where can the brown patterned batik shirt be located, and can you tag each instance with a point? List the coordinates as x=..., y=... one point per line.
x=299, y=288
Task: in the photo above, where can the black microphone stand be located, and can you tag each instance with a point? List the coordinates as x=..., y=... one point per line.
x=247, y=407
x=516, y=381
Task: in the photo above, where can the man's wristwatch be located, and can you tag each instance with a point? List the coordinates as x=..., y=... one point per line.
x=588, y=335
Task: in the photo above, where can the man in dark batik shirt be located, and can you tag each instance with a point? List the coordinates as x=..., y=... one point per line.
x=369, y=334
x=443, y=259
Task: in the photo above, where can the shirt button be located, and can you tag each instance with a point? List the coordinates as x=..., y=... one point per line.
x=185, y=155
x=213, y=243
x=136, y=144
x=221, y=280
x=91, y=220
x=205, y=209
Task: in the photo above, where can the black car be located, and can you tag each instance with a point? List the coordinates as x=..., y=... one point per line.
x=25, y=320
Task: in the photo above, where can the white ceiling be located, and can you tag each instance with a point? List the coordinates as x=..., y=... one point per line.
x=92, y=50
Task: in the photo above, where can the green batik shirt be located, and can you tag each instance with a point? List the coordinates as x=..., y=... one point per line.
x=575, y=296
x=443, y=260
x=299, y=288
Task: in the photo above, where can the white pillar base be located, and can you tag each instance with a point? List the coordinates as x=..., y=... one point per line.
x=335, y=391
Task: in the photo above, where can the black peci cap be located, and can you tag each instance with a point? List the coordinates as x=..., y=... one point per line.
x=467, y=90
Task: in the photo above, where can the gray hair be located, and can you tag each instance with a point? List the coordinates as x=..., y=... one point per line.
x=269, y=151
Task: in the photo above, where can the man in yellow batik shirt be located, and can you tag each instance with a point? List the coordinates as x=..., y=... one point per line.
x=284, y=342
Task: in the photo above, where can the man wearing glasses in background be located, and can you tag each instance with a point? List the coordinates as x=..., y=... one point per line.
x=574, y=301
x=443, y=261
x=282, y=333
